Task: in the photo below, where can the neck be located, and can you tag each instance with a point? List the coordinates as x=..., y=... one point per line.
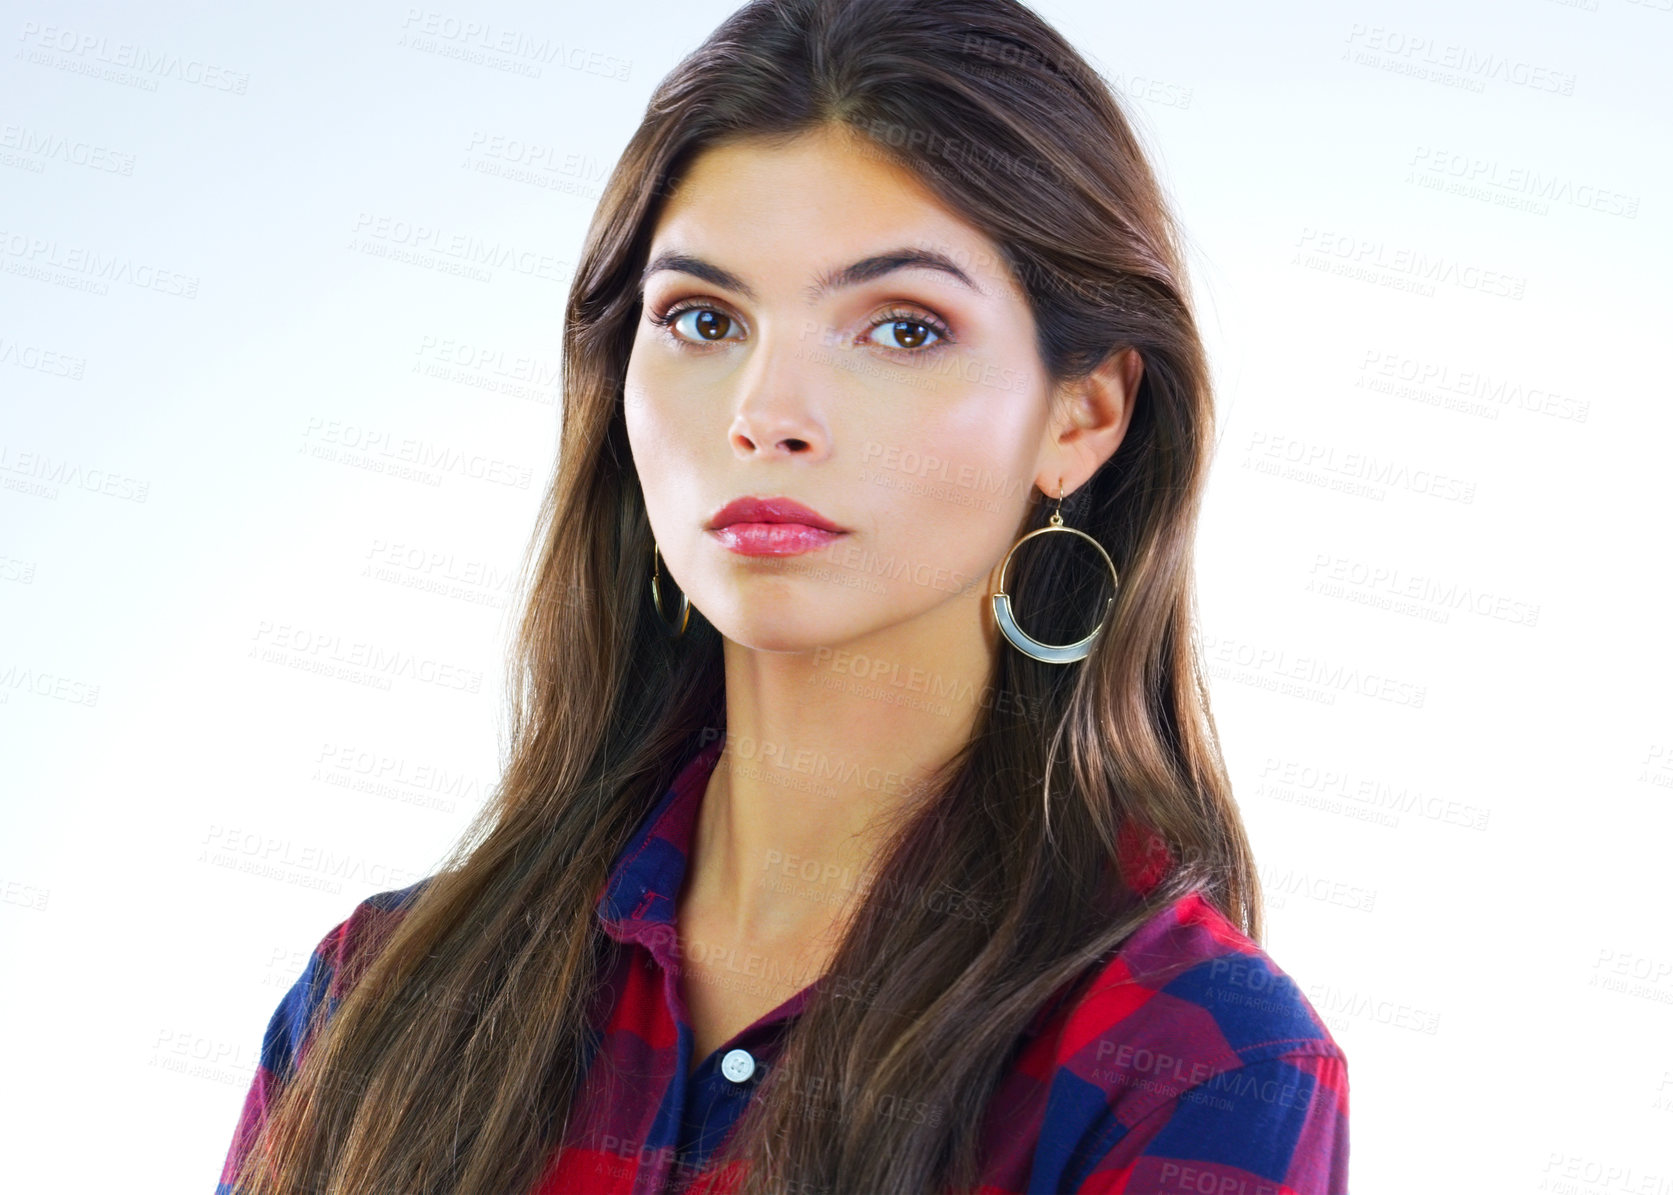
x=824, y=749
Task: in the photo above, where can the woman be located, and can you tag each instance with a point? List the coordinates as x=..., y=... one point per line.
x=812, y=869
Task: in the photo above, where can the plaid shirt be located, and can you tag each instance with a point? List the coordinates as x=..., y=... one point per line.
x=1188, y=1063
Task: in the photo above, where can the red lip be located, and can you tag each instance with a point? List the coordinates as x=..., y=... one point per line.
x=770, y=510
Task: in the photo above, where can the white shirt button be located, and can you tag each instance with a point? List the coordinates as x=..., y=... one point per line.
x=737, y=1066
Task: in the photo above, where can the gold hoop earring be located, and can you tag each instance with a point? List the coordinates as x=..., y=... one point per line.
x=1050, y=653
x=656, y=597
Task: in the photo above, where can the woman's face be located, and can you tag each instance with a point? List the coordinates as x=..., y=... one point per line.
x=908, y=406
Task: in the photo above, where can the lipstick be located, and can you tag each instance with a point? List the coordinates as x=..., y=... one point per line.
x=772, y=527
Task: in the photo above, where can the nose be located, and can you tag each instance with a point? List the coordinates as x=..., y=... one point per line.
x=775, y=413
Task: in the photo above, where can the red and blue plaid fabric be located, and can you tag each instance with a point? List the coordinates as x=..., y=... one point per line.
x=1188, y=1063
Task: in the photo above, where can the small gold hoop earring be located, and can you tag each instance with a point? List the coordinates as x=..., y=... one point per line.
x=656, y=597
x=1050, y=653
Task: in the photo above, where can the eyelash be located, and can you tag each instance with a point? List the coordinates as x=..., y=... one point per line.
x=665, y=318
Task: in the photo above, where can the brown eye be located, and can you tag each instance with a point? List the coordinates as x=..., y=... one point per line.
x=711, y=325
x=907, y=332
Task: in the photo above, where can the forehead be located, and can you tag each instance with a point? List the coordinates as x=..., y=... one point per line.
x=799, y=206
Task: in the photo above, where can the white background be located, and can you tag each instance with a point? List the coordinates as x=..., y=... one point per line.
x=1433, y=559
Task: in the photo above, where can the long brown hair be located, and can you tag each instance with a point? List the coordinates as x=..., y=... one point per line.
x=453, y=1061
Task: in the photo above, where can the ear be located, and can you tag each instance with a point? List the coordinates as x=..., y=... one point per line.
x=1089, y=420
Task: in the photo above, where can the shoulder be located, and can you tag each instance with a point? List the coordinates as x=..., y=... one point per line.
x=1191, y=983
x=334, y=964
x=1193, y=1045
x=351, y=944
x=306, y=1006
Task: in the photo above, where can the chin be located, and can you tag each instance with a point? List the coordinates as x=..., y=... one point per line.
x=784, y=631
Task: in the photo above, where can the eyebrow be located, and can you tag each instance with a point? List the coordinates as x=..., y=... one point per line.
x=852, y=274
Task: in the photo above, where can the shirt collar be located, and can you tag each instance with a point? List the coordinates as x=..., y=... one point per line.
x=638, y=901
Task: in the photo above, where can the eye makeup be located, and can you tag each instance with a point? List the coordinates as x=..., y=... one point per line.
x=665, y=317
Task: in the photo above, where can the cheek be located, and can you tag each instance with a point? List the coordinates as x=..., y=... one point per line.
x=649, y=414
x=950, y=488
x=666, y=444
x=975, y=451
x=636, y=399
